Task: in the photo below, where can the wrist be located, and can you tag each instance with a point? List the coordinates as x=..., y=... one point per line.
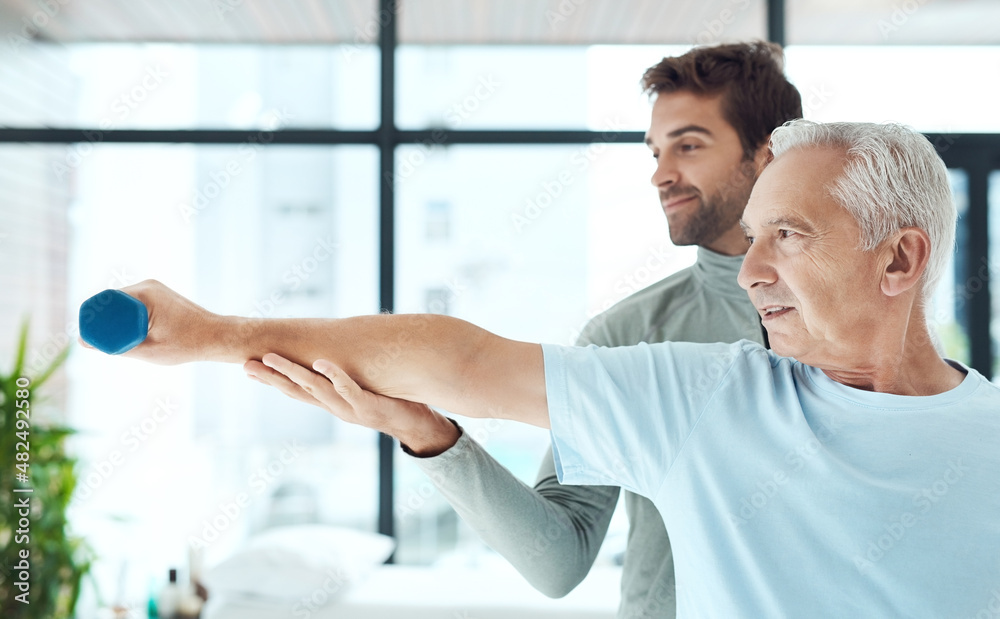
x=431, y=439
x=227, y=338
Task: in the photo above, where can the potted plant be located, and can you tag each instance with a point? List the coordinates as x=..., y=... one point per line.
x=56, y=562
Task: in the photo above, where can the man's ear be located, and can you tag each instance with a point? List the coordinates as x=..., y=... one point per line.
x=763, y=155
x=907, y=255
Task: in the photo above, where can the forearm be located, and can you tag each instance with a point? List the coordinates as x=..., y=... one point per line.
x=394, y=355
x=422, y=357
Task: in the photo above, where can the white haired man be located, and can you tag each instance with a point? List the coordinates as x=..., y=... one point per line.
x=850, y=471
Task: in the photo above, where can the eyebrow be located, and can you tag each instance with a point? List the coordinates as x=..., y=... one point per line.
x=676, y=133
x=783, y=222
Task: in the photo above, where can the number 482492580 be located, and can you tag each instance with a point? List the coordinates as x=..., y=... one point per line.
x=22, y=424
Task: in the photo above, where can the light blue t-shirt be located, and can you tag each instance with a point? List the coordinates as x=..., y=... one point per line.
x=785, y=493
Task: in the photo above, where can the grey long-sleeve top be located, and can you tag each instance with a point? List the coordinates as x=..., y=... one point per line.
x=551, y=533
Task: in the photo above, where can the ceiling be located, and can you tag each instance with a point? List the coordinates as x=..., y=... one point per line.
x=546, y=22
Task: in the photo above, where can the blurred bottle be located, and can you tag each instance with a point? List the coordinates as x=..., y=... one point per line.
x=194, y=594
x=168, y=602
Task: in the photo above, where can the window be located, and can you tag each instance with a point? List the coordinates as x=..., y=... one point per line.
x=161, y=86
x=948, y=309
x=994, y=269
x=570, y=231
x=438, y=221
x=529, y=240
x=291, y=233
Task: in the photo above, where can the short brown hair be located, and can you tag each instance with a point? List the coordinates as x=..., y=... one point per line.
x=757, y=97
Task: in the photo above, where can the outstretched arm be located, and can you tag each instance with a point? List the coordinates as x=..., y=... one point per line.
x=423, y=358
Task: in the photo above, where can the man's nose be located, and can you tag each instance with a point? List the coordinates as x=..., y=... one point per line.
x=666, y=173
x=756, y=269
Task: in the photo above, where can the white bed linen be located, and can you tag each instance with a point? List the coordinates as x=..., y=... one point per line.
x=496, y=591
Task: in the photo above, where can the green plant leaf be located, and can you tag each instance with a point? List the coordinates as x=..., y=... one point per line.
x=58, y=361
x=60, y=561
x=22, y=348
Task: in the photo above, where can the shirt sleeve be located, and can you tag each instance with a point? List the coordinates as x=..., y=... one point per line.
x=551, y=533
x=620, y=416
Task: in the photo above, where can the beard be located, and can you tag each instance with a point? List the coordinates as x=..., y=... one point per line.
x=715, y=213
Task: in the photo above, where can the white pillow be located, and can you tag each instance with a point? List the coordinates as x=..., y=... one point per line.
x=300, y=561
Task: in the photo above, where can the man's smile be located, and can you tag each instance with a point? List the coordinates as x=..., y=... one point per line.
x=676, y=203
x=770, y=312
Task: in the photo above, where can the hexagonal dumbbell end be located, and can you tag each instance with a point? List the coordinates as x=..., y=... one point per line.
x=113, y=322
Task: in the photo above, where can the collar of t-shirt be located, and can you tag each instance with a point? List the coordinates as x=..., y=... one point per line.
x=888, y=401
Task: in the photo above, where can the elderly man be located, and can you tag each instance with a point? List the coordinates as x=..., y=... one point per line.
x=713, y=111
x=849, y=472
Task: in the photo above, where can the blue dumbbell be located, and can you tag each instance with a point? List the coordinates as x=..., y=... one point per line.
x=113, y=322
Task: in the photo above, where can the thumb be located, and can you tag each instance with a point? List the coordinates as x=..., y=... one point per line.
x=346, y=388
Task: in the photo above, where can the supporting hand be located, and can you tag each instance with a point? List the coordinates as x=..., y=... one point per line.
x=423, y=430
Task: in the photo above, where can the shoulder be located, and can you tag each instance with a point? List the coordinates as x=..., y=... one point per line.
x=705, y=361
x=730, y=355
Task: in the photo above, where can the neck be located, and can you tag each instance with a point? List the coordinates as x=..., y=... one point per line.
x=911, y=366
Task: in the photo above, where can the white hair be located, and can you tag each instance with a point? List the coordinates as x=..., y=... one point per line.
x=893, y=178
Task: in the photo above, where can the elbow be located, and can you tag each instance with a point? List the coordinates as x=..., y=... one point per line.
x=558, y=583
x=558, y=589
